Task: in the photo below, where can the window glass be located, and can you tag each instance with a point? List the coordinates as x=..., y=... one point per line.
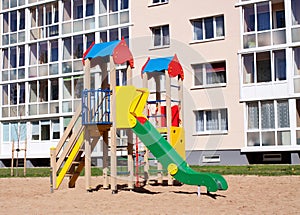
x=249, y=18
x=45, y=131
x=280, y=65
x=295, y=12
x=67, y=10
x=13, y=57
x=35, y=130
x=33, y=91
x=267, y=115
x=21, y=93
x=21, y=56
x=220, y=26
x=263, y=16
x=78, y=9
x=54, y=50
x=103, y=6
x=13, y=21
x=253, y=115
x=209, y=31
x=43, y=91
x=90, y=8
x=78, y=46
x=56, y=129
x=263, y=67
x=5, y=23
x=113, y=5
x=5, y=132
x=199, y=121
x=22, y=20
x=283, y=114
x=198, y=31
x=124, y=4
x=67, y=49
x=54, y=89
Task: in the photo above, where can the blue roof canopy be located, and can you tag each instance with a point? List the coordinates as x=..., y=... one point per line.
x=157, y=64
x=102, y=49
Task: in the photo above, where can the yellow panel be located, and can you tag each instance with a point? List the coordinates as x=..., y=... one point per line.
x=124, y=97
x=178, y=140
x=138, y=104
x=130, y=102
x=70, y=159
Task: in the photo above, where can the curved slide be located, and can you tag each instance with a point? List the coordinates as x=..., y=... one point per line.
x=171, y=160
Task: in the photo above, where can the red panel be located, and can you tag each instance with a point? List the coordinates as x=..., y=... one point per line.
x=163, y=116
x=175, y=116
x=122, y=54
x=175, y=68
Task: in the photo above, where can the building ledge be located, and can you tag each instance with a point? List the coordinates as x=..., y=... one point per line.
x=270, y=148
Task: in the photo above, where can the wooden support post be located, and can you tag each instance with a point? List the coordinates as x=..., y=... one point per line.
x=146, y=155
x=105, y=160
x=159, y=124
x=113, y=130
x=53, y=167
x=169, y=115
x=87, y=142
x=130, y=163
x=104, y=85
x=87, y=160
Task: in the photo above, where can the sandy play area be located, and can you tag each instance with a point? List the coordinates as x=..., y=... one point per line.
x=246, y=195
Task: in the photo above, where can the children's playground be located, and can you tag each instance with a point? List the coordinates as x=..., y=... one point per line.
x=151, y=116
x=147, y=173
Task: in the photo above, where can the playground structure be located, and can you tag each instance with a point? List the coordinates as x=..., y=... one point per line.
x=112, y=107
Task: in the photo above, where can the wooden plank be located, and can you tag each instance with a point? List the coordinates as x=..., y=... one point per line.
x=113, y=130
x=68, y=148
x=70, y=159
x=68, y=131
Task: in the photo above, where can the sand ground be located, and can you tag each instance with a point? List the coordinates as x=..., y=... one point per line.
x=246, y=195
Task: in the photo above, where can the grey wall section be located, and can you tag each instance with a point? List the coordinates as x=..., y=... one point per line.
x=295, y=158
x=227, y=157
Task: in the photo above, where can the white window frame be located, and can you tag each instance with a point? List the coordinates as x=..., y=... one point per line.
x=202, y=20
x=206, y=131
x=161, y=36
x=159, y=2
x=273, y=67
x=261, y=130
x=205, y=84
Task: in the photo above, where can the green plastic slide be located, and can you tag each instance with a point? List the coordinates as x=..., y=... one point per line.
x=170, y=159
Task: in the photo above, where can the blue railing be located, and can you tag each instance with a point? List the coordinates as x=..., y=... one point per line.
x=96, y=107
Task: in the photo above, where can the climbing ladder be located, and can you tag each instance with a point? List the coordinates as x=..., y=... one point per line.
x=67, y=159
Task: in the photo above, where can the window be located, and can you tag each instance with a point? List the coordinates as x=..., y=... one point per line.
x=14, y=132
x=211, y=121
x=45, y=130
x=209, y=73
x=161, y=36
x=264, y=67
x=268, y=123
x=264, y=24
x=208, y=28
x=159, y=1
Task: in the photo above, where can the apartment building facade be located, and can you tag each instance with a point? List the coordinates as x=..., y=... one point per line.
x=269, y=75
x=42, y=44
x=240, y=59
